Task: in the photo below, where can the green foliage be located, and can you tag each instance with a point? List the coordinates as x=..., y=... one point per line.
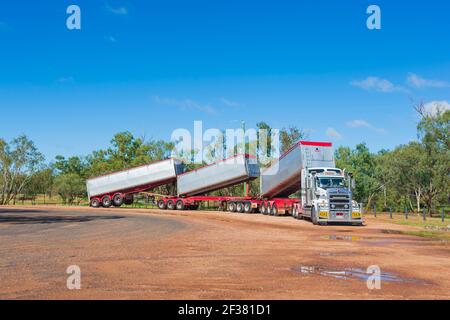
x=70, y=187
x=19, y=160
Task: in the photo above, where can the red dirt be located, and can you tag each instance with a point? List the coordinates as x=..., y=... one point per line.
x=153, y=254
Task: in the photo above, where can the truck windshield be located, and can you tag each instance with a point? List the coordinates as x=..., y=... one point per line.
x=330, y=182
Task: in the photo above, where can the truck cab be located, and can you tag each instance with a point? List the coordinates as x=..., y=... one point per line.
x=326, y=196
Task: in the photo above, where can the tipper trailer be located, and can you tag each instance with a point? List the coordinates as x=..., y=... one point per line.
x=307, y=168
x=118, y=187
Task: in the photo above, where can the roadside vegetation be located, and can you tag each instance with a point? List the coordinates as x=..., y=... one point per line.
x=413, y=176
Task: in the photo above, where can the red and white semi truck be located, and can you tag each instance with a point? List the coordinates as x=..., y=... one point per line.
x=307, y=167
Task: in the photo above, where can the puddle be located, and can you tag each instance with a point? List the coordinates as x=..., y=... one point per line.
x=343, y=238
x=391, y=231
x=353, y=273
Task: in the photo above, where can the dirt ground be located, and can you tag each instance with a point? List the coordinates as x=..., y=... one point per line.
x=152, y=254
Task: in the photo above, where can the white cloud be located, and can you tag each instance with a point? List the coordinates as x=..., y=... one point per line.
x=332, y=133
x=110, y=39
x=119, y=11
x=185, y=104
x=65, y=80
x=434, y=107
x=230, y=103
x=377, y=84
x=364, y=124
x=418, y=82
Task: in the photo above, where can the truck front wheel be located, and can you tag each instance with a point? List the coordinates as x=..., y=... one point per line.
x=314, y=217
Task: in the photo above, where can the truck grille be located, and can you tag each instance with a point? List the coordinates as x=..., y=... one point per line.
x=338, y=200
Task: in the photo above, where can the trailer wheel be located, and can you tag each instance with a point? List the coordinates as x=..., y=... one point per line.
x=240, y=207
x=248, y=207
x=129, y=199
x=180, y=205
x=95, y=203
x=269, y=209
x=162, y=205
x=314, y=217
x=106, y=201
x=170, y=205
x=231, y=206
x=274, y=211
x=117, y=200
x=262, y=208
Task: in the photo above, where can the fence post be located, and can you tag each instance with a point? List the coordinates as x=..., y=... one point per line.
x=443, y=214
x=424, y=214
x=406, y=213
x=390, y=212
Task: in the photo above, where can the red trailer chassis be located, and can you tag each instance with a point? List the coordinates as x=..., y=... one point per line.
x=276, y=206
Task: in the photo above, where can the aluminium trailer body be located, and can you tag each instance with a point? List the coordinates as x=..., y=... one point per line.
x=283, y=178
x=192, y=186
x=118, y=187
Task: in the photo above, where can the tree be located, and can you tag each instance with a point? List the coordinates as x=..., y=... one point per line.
x=289, y=136
x=69, y=187
x=127, y=151
x=19, y=160
x=434, y=132
x=362, y=163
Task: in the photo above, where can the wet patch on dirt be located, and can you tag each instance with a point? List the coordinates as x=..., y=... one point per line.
x=338, y=254
x=353, y=274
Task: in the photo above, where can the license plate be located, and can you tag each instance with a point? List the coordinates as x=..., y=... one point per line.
x=339, y=215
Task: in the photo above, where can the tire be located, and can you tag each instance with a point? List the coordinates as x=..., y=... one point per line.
x=231, y=207
x=162, y=205
x=274, y=210
x=295, y=213
x=240, y=207
x=129, y=199
x=170, y=205
x=262, y=208
x=269, y=209
x=223, y=206
x=314, y=217
x=95, y=203
x=180, y=205
x=117, y=200
x=106, y=201
x=248, y=207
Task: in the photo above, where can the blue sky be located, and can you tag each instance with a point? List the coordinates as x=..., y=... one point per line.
x=151, y=67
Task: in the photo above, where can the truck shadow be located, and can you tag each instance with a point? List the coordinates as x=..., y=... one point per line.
x=16, y=219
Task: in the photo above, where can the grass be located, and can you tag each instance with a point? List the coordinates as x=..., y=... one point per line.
x=431, y=228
